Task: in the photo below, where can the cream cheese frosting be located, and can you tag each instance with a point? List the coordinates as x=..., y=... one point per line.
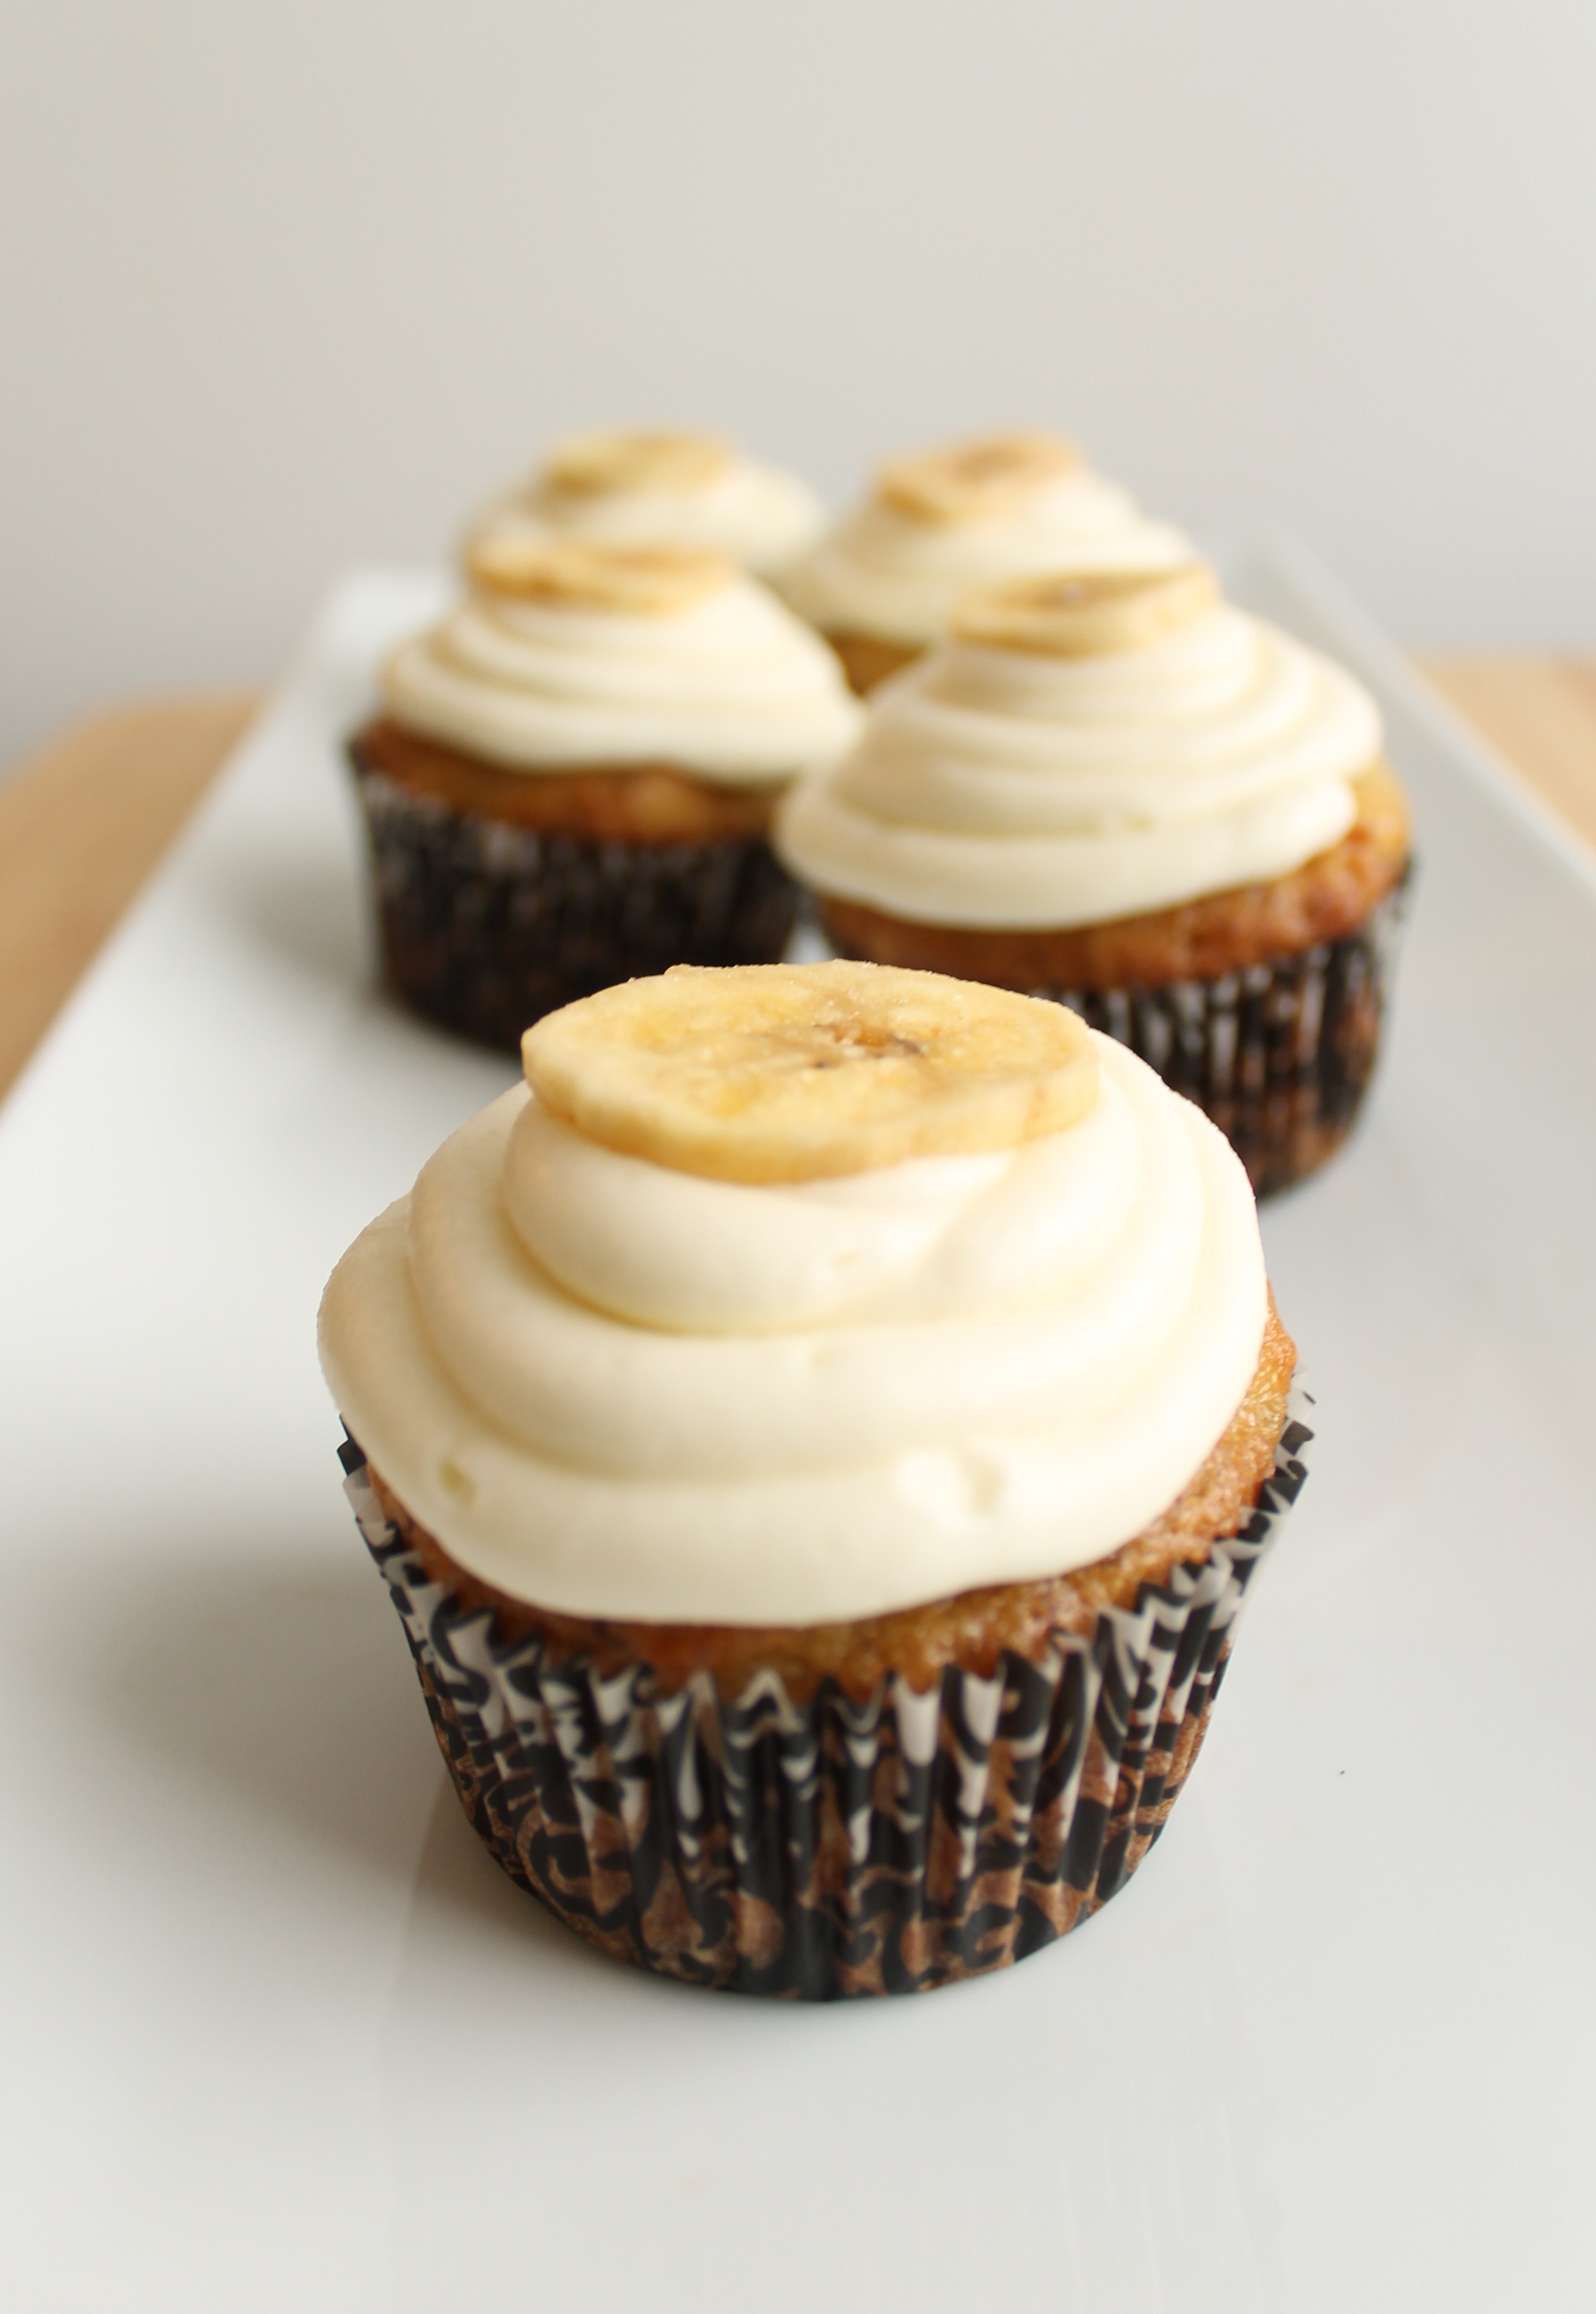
x=897, y=567
x=618, y=1389
x=664, y=488
x=722, y=680
x=1012, y=789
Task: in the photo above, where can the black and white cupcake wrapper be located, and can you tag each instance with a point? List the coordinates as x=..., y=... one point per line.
x=826, y=1848
x=485, y=926
x=1279, y=1055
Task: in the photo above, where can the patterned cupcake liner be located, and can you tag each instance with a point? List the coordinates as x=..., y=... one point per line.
x=486, y=926
x=828, y=1847
x=1279, y=1055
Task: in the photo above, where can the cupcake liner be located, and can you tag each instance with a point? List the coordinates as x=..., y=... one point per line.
x=485, y=926
x=828, y=1847
x=1279, y=1055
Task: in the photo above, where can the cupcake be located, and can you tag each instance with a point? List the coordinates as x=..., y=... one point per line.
x=817, y=1432
x=571, y=778
x=1120, y=791
x=663, y=488
x=886, y=583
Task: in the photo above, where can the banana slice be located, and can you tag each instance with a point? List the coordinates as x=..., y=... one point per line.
x=648, y=581
x=601, y=465
x=977, y=480
x=1082, y=614
x=799, y=1072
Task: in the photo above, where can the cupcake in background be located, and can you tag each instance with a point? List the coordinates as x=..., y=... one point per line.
x=885, y=584
x=817, y=1435
x=1118, y=790
x=663, y=488
x=570, y=779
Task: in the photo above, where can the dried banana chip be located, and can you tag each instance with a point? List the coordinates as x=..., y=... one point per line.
x=800, y=1072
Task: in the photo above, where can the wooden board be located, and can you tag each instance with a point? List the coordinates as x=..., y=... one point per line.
x=1539, y=714
x=83, y=825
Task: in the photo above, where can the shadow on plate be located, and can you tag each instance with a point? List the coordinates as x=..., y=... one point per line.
x=459, y=1886
x=303, y=906
x=280, y=1685
x=302, y=911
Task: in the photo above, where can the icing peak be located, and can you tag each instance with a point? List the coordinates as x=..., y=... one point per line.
x=568, y=653
x=1083, y=613
x=979, y=480
x=664, y=487
x=1013, y=786
x=647, y=580
x=945, y=522
x=621, y=1389
x=603, y=465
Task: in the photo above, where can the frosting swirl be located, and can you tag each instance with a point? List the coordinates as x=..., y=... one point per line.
x=618, y=1389
x=1030, y=787
x=563, y=656
x=940, y=525
x=663, y=488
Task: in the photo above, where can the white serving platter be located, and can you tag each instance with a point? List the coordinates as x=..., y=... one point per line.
x=279, y=2034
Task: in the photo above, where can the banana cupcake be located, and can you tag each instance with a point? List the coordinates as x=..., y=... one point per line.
x=659, y=487
x=570, y=779
x=886, y=583
x=817, y=1432
x=1120, y=791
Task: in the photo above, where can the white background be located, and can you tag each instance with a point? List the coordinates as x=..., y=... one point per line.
x=287, y=283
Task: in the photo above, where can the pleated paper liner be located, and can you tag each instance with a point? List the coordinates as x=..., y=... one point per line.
x=829, y=1847
x=1280, y=1056
x=485, y=926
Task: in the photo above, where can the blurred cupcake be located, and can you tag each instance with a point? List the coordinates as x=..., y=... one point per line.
x=1122, y=792
x=662, y=488
x=885, y=584
x=817, y=1438
x=571, y=778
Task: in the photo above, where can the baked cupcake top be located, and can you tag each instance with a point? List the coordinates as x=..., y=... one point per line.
x=943, y=522
x=566, y=653
x=1083, y=747
x=792, y=1295
x=664, y=487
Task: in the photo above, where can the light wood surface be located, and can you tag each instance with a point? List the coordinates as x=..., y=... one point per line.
x=1539, y=714
x=84, y=824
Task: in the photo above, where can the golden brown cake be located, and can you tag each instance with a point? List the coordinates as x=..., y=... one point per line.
x=619, y=802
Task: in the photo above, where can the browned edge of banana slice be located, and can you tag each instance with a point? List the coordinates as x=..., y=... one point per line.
x=980, y=480
x=803, y=1072
x=588, y=574
x=635, y=458
x=1086, y=613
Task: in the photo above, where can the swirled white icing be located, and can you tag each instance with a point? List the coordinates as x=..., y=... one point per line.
x=1008, y=789
x=618, y=1389
x=758, y=514
x=731, y=686
x=884, y=571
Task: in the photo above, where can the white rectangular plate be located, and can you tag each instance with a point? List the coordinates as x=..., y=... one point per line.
x=279, y=2035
